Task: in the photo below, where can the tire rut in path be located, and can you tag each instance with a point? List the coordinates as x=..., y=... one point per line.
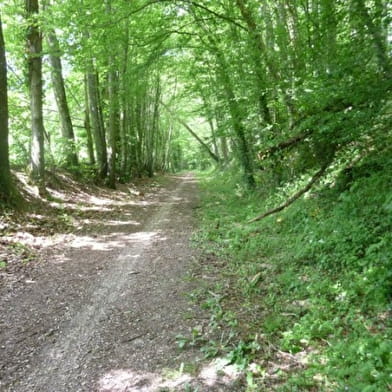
x=121, y=333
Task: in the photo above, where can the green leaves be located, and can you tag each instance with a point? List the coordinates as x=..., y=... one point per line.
x=315, y=282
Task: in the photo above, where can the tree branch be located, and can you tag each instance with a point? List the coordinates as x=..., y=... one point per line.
x=193, y=133
x=216, y=14
x=283, y=145
x=293, y=198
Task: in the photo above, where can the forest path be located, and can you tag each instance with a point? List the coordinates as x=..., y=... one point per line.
x=103, y=312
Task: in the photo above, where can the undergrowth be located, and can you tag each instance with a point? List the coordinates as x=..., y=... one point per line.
x=305, y=294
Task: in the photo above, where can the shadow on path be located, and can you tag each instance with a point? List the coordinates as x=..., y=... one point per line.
x=104, y=312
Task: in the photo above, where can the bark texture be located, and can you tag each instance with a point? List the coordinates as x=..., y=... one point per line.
x=34, y=63
x=5, y=175
x=97, y=124
x=71, y=158
x=113, y=130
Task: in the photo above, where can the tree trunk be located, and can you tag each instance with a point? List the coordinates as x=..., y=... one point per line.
x=139, y=136
x=236, y=114
x=224, y=147
x=167, y=149
x=261, y=54
x=34, y=63
x=113, y=126
x=125, y=128
x=67, y=132
x=210, y=120
x=213, y=137
x=244, y=150
x=124, y=137
x=5, y=175
x=134, y=144
x=87, y=126
x=114, y=118
x=153, y=130
x=377, y=38
x=193, y=133
x=257, y=59
x=96, y=122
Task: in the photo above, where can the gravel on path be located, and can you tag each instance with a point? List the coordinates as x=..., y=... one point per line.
x=104, y=312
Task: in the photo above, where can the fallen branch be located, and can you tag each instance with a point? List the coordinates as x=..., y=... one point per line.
x=293, y=198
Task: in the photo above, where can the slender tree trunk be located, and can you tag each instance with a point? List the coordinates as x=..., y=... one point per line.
x=260, y=71
x=125, y=120
x=213, y=137
x=244, y=150
x=87, y=126
x=377, y=38
x=113, y=126
x=236, y=114
x=153, y=130
x=261, y=54
x=222, y=139
x=124, y=151
x=134, y=144
x=144, y=118
x=96, y=122
x=225, y=148
x=139, y=137
x=5, y=174
x=210, y=119
x=114, y=118
x=193, y=133
x=34, y=62
x=166, y=157
x=67, y=132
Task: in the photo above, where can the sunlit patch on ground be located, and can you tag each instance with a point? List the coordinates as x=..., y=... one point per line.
x=211, y=377
x=71, y=216
x=122, y=222
x=109, y=242
x=131, y=381
x=108, y=295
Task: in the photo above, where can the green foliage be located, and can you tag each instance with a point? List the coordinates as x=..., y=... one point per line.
x=315, y=281
x=278, y=69
x=195, y=340
x=243, y=353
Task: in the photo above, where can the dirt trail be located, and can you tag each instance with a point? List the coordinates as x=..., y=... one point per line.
x=102, y=314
